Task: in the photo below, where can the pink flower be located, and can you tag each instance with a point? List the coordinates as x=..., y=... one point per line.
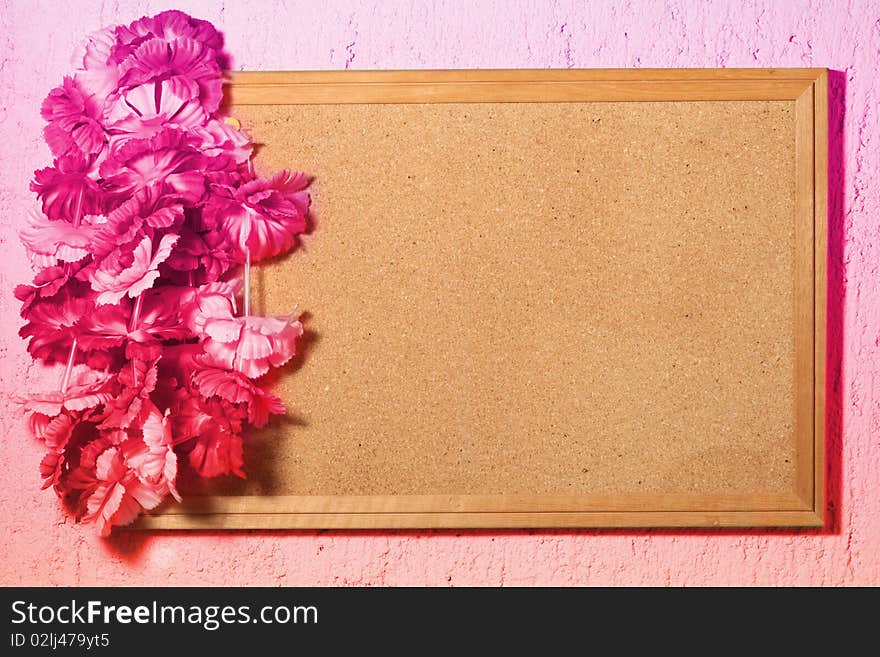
x=263, y=216
x=60, y=188
x=251, y=344
x=109, y=326
x=149, y=203
x=116, y=495
x=141, y=112
x=167, y=161
x=100, y=72
x=135, y=217
x=138, y=379
x=168, y=25
x=87, y=389
x=125, y=272
x=49, y=241
x=74, y=118
x=183, y=69
x=218, y=138
x=152, y=456
x=203, y=255
x=57, y=433
x=236, y=388
x=208, y=302
x=46, y=284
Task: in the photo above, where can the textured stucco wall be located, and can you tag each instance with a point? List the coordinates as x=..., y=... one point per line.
x=41, y=546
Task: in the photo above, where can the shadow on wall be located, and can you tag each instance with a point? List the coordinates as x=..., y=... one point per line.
x=128, y=545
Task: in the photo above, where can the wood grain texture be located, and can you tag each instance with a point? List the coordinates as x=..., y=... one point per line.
x=708, y=506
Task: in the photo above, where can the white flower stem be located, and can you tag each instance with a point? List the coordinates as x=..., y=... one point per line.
x=136, y=313
x=67, y=370
x=247, y=282
x=132, y=325
x=77, y=219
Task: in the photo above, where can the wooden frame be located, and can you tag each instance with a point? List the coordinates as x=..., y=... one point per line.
x=804, y=507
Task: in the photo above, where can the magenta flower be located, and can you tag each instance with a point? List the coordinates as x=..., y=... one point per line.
x=66, y=187
x=74, y=118
x=182, y=68
x=168, y=26
x=168, y=162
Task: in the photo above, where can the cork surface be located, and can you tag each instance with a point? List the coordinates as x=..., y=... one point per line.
x=534, y=299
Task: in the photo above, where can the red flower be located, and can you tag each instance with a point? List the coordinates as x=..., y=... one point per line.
x=210, y=430
x=52, y=324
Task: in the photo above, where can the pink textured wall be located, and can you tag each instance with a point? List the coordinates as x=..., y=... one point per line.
x=41, y=546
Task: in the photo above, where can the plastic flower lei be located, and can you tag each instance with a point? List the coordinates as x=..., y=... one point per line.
x=149, y=215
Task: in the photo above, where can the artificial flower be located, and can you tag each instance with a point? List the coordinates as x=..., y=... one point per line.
x=74, y=118
x=251, y=344
x=67, y=189
x=129, y=272
x=262, y=217
x=148, y=209
x=50, y=241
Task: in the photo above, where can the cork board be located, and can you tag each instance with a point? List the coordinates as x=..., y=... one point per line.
x=542, y=298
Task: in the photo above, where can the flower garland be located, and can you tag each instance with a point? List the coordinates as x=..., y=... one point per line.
x=149, y=214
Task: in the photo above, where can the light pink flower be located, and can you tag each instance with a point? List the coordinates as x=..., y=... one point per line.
x=87, y=389
x=46, y=284
x=152, y=456
x=49, y=241
x=251, y=344
x=129, y=273
x=117, y=495
x=143, y=111
x=218, y=138
x=208, y=302
x=262, y=216
x=100, y=72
